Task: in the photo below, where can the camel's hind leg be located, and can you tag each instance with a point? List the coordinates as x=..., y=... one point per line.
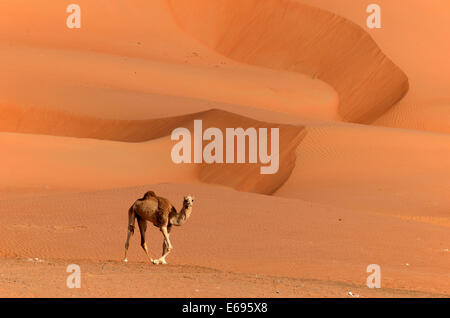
x=167, y=246
x=127, y=244
x=142, y=228
x=131, y=221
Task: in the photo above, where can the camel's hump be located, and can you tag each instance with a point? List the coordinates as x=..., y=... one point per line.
x=149, y=194
x=150, y=203
x=155, y=202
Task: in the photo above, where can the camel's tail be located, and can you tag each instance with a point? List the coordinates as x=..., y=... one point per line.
x=131, y=219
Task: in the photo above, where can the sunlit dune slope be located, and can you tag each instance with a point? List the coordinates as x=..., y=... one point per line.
x=138, y=29
x=283, y=34
x=50, y=162
x=123, y=87
x=428, y=116
x=383, y=170
x=131, y=60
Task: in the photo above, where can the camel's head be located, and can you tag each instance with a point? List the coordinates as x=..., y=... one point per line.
x=188, y=201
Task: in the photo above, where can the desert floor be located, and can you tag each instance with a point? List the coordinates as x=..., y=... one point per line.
x=24, y=278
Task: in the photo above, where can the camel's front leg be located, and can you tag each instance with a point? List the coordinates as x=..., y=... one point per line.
x=167, y=247
x=142, y=228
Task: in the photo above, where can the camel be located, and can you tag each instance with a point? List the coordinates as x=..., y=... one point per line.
x=162, y=214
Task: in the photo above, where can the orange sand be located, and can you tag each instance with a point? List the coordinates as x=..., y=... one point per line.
x=412, y=34
x=237, y=232
x=85, y=123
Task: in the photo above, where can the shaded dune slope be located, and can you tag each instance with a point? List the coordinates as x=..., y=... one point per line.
x=288, y=35
x=247, y=177
x=418, y=49
x=37, y=120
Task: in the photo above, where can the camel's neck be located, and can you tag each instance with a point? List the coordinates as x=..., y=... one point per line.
x=181, y=216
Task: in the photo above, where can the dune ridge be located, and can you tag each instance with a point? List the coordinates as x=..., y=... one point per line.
x=115, y=138
x=106, y=81
x=413, y=36
x=54, y=122
x=288, y=35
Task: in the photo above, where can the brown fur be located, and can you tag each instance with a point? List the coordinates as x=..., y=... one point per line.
x=148, y=195
x=161, y=213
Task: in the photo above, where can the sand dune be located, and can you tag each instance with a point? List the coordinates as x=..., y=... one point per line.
x=248, y=177
x=49, y=162
x=427, y=116
x=413, y=36
x=290, y=36
x=86, y=117
x=116, y=80
x=95, y=164
x=47, y=121
x=106, y=68
x=374, y=169
x=234, y=231
x=142, y=29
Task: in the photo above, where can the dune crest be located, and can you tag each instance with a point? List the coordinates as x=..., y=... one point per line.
x=54, y=122
x=291, y=36
x=147, y=139
x=414, y=36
